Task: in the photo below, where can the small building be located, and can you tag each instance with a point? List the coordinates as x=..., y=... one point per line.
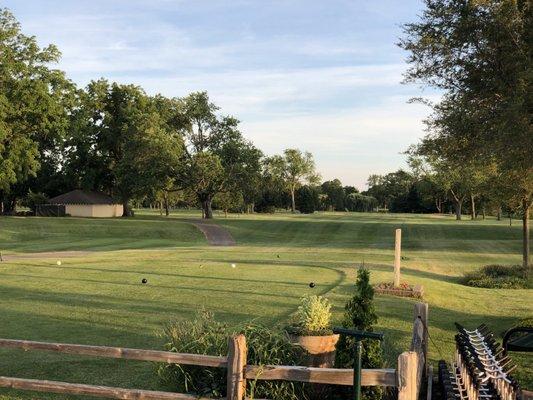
x=81, y=203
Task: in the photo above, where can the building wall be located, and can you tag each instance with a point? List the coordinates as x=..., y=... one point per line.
x=79, y=210
x=94, y=210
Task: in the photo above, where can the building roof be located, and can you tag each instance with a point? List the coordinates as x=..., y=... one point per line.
x=82, y=197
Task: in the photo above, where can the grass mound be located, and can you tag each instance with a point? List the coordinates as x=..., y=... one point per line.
x=497, y=276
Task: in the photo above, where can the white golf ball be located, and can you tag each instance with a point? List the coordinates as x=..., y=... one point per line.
x=58, y=262
x=233, y=265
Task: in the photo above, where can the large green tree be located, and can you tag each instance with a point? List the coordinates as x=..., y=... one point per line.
x=152, y=155
x=121, y=143
x=335, y=193
x=479, y=54
x=217, y=158
x=34, y=102
x=294, y=168
x=386, y=188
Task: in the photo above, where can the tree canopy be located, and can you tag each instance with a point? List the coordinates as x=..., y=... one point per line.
x=293, y=169
x=478, y=53
x=34, y=103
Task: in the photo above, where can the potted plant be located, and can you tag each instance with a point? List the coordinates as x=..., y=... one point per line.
x=311, y=330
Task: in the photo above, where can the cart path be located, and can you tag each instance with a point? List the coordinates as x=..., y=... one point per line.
x=215, y=234
x=46, y=254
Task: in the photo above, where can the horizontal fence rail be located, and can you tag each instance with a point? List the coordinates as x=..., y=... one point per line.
x=369, y=377
x=118, y=352
x=90, y=390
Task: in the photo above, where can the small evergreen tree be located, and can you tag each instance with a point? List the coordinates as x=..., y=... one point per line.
x=360, y=314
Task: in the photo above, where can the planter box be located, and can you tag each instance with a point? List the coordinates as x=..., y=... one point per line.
x=416, y=291
x=320, y=350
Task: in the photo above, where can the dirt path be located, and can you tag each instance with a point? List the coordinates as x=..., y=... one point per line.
x=215, y=235
x=47, y=254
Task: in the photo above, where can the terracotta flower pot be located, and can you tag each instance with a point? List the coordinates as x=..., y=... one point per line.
x=320, y=350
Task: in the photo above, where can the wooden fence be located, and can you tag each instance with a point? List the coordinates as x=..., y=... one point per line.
x=407, y=377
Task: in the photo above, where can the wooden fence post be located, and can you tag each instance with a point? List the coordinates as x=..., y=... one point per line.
x=236, y=364
x=407, y=375
x=421, y=311
x=397, y=257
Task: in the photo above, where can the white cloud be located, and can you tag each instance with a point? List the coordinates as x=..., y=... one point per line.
x=260, y=93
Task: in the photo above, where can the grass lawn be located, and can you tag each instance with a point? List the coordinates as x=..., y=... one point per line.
x=97, y=297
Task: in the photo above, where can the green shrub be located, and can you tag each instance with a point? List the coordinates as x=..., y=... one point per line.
x=360, y=202
x=204, y=335
x=313, y=316
x=32, y=200
x=272, y=347
x=499, y=277
x=360, y=314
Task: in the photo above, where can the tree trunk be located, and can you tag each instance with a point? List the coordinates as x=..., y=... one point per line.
x=293, y=201
x=438, y=205
x=160, y=208
x=127, y=210
x=9, y=206
x=525, y=233
x=458, y=207
x=165, y=198
x=483, y=212
x=207, y=211
x=499, y=213
x=472, y=207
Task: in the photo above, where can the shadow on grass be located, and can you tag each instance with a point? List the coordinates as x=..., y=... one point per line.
x=340, y=274
x=151, y=286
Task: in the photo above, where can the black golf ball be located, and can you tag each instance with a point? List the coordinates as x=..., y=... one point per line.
x=144, y=280
x=312, y=285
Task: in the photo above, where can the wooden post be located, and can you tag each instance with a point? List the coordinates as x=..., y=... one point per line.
x=397, y=257
x=236, y=365
x=407, y=376
x=421, y=311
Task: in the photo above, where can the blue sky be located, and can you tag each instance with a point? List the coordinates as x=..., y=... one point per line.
x=322, y=76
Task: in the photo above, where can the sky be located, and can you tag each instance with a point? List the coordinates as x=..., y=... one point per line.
x=321, y=76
